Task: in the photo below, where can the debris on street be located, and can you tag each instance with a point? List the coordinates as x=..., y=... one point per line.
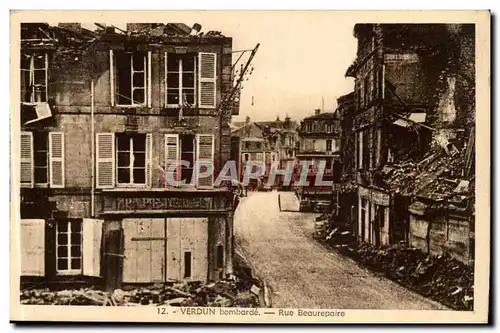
x=441, y=278
x=224, y=293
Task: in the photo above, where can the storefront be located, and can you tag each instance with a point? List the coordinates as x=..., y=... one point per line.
x=166, y=236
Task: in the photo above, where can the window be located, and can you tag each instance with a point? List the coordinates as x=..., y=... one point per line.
x=131, y=158
x=366, y=90
x=246, y=157
x=34, y=68
x=190, y=148
x=187, y=154
x=41, y=160
x=69, y=246
x=187, y=264
x=247, y=145
x=130, y=77
x=259, y=145
x=181, y=79
x=220, y=256
x=328, y=145
x=259, y=157
x=366, y=150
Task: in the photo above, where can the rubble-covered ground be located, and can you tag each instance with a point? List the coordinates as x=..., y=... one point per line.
x=440, y=278
x=241, y=291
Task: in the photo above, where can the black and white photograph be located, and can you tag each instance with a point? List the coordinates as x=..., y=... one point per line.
x=247, y=166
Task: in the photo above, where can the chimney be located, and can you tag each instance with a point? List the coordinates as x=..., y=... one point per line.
x=71, y=26
x=317, y=111
x=195, y=30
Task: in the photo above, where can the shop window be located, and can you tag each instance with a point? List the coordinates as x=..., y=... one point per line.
x=69, y=246
x=131, y=158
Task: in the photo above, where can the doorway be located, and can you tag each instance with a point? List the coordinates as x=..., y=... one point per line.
x=165, y=249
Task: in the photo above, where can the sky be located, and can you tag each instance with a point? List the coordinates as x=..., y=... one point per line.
x=302, y=57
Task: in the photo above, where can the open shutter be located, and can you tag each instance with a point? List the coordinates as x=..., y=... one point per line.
x=56, y=159
x=149, y=143
x=205, y=154
x=32, y=247
x=27, y=178
x=105, y=160
x=171, y=155
x=207, y=79
x=91, y=246
x=165, y=80
x=148, y=82
x=112, y=77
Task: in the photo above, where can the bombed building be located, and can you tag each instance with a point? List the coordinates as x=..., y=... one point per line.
x=413, y=133
x=103, y=115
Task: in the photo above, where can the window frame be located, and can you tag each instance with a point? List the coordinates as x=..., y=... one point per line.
x=131, y=160
x=47, y=159
x=180, y=72
x=147, y=79
x=69, y=271
x=31, y=84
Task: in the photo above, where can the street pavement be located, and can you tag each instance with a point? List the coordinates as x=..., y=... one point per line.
x=302, y=273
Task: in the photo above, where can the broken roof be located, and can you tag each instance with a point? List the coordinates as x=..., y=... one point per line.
x=437, y=177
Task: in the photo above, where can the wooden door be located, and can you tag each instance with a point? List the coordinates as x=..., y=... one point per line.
x=187, y=249
x=144, y=250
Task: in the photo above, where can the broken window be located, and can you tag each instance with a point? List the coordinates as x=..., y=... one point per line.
x=69, y=246
x=131, y=158
x=187, y=154
x=130, y=77
x=181, y=79
x=40, y=158
x=34, y=68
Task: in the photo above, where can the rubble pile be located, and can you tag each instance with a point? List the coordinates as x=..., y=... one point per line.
x=224, y=293
x=441, y=278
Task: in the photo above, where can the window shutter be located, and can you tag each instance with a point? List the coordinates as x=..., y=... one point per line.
x=148, y=83
x=27, y=178
x=56, y=159
x=171, y=154
x=105, y=160
x=207, y=79
x=91, y=246
x=205, y=153
x=112, y=77
x=149, y=143
x=32, y=247
x=165, y=80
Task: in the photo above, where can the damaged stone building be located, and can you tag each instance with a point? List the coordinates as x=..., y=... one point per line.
x=104, y=113
x=413, y=132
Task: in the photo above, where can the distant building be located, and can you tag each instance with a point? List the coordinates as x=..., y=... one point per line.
x=319, y=140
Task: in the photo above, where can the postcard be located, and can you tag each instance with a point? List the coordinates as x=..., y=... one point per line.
x=250, y=166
